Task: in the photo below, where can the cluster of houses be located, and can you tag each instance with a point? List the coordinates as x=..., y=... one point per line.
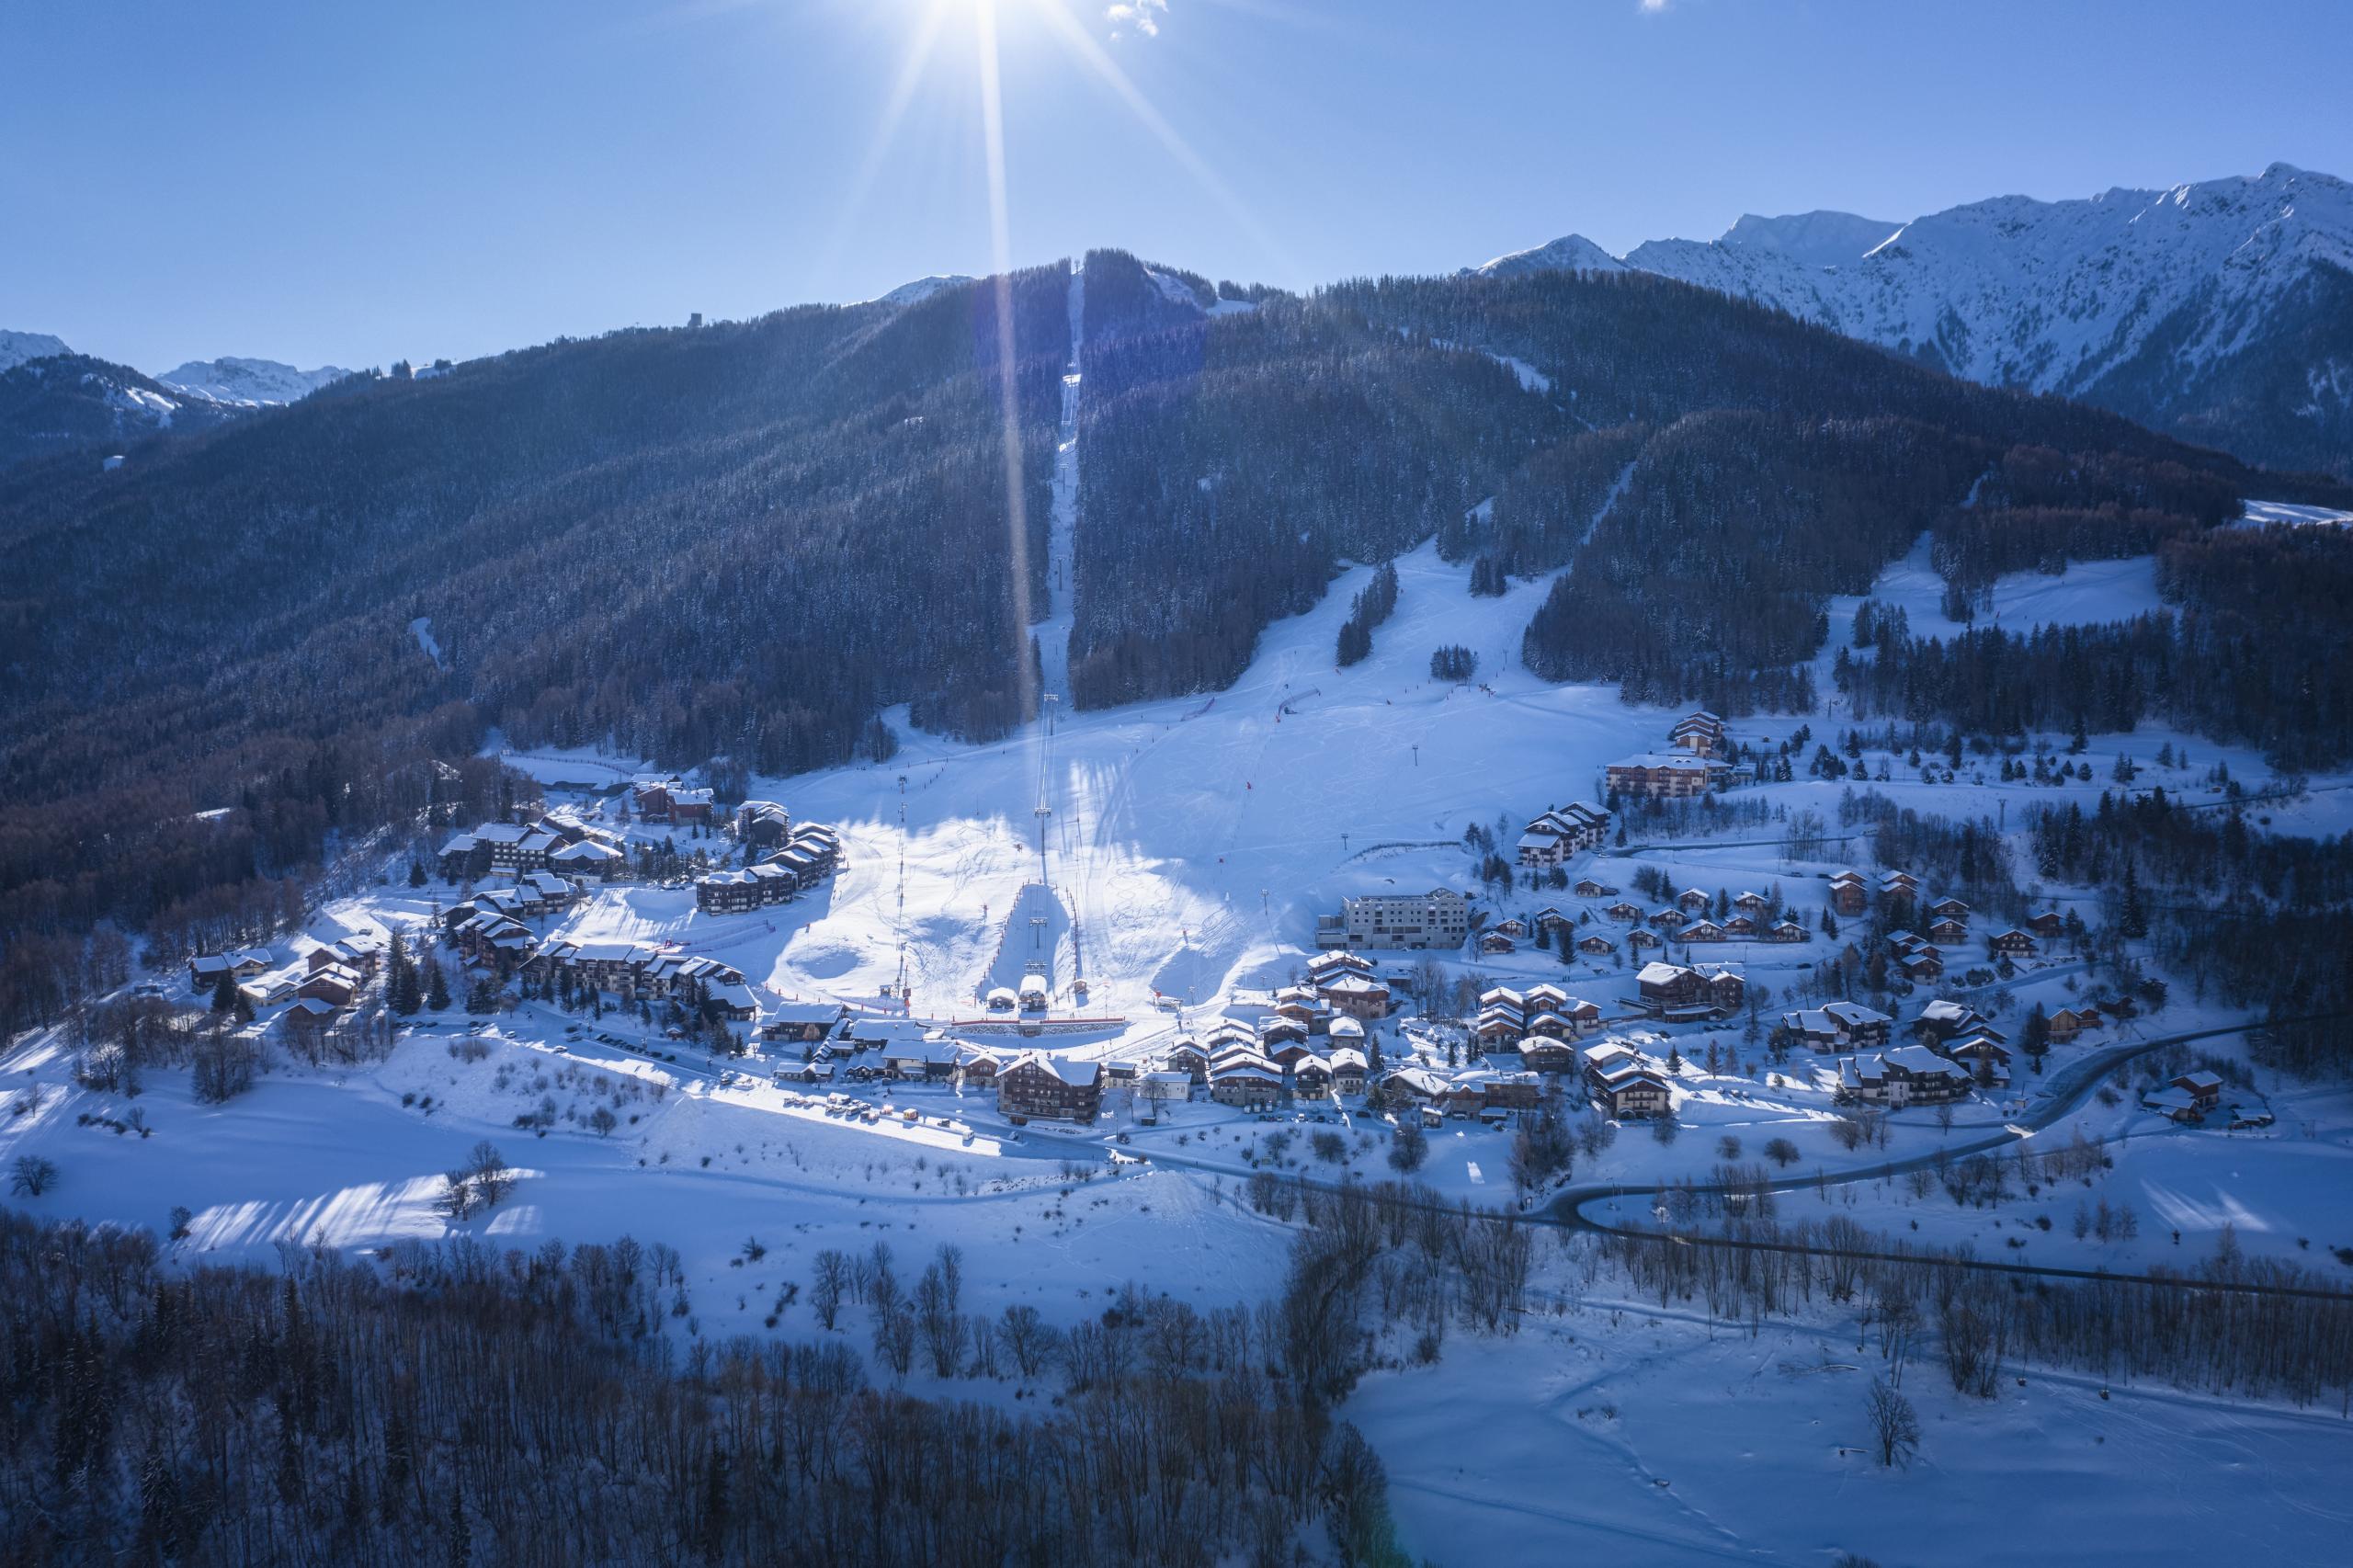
x=670, y=799
x=1955, y=1047
x=323, y=983
x=1562, y=831
x=2192, y=1098
x=1677, y=993
x=1697, y=758
x=487, y=927
x=1934, y=928
x=1750, y=917
x=792, y=860
x=640, y=971
x=545, y=843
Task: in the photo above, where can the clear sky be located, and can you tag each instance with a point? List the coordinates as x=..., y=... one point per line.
x=354, y=183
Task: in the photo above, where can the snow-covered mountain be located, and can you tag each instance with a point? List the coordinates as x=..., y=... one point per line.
x=16, y=347
x=2221, y=312
x=254, y=383
x=922, y=288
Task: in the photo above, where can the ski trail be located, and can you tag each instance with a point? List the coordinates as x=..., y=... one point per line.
x=1062, y=576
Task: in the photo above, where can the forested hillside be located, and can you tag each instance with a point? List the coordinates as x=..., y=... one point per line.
x=738, y=541
x=743, y=541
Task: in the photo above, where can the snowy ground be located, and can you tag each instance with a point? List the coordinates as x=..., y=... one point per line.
x=1622, y=1434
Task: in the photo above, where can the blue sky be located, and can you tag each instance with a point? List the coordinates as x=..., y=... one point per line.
x=355, y=183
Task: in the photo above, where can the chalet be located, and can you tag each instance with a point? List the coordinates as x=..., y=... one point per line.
x=1692, y=901
x=1053, y=1088
x=1949, y=909
x=2204, y=1089
x=1348, y=1067
x=1700, y=733
x=1276, y=1030
x=589, y=858
x=763, y=824
x=269, y=989
x=1908, y=1074
x=1922, y=968
x=1411, y=1086
x=1311, y=1076
x=1497, y=1024
x=361, y=950
x=1753, y=904
x=805, y=1022
x=1229, y=1034
x=2242, y=1117
x=553, y=891
x=1943, y=1020
x=1848, y=895
x=1290, y=1053
x=496, y=941
x=668, y=799
x=1639, y=939
x=1666, y=775
x=1543, y=1053
x=1838, y=1026
x=1588, y=888
x=1495, y=943
x=1737, y=928
x=1702, y=930
x=2049, y=925
x=810, y=1072
x=335, y=984
x=1543, y=995
x=1190, y=1059
x=2012, y=944
x=1899, y=884
x=1515, y=927
x=734, y=1003
x=1550, y=919
x=1952, y=933
x=239, y=963
x=1324, y=967
x=309, y=1013
x=933, y=1061
x=2065, y=1025
x=1346, y=1030
x=1357, y=996
x=2177, y=1104
x=1786, y=931
x=1164, y=1087
x=1676, y=992
x=1985, y=1059
x=1621, y=910
x=1596, y=946
x=1668, y=919
x=1562, y=832
x=1505, y=1090
x=1625, y=1086
x=1247, y=1084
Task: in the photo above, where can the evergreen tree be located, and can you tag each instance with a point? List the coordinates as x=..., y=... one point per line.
x=437, y=986
x=224, y=992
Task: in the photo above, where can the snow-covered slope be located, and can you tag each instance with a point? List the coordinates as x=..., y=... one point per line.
x=922, y=288
x=1810, y=239
x=251, y=382
x=2218, y=309
x=16, y=347
x=1570, y=253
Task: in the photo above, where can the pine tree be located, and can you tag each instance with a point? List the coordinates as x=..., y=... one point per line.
x=437, y=987
x=2133, y=918
x=224, y=992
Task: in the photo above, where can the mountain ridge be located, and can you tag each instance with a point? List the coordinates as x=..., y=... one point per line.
x=2215, y=310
